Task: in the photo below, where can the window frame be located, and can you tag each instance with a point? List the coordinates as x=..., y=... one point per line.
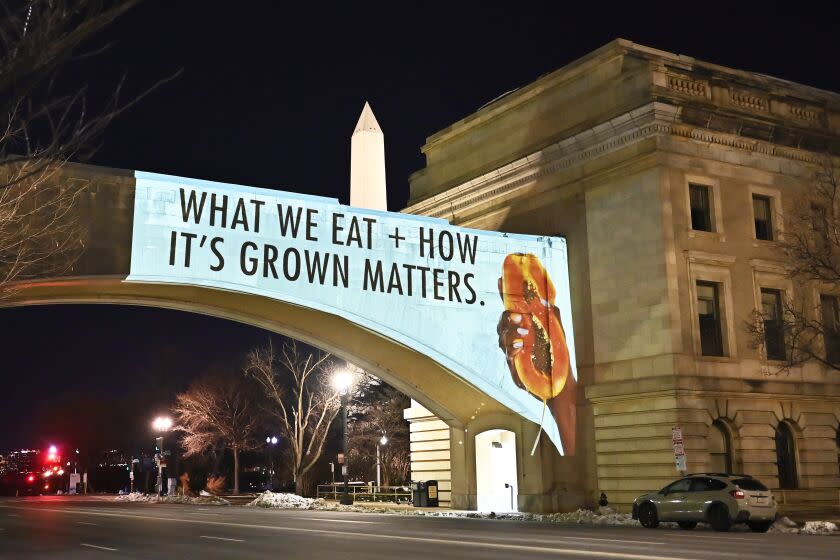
x=770, y=217
x=836, y=324
x=711, y=267
x=776, y=215
x=779, y=296
x=717, y=290
x=716, y=214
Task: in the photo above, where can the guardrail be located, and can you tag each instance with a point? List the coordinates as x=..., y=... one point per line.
x=366, y=493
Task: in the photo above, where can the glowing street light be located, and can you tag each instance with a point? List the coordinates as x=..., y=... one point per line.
x=342, y=380
x=161, y=424
x=382, y=441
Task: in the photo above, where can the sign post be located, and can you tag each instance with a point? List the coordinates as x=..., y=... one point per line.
x=679, y=449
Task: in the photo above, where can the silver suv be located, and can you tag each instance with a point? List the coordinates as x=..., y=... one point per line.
x=718, y=499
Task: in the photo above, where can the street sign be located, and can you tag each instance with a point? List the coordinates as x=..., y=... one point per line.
x=343, y=470
x=131, y=475
x=341, y=458
x=679, y=448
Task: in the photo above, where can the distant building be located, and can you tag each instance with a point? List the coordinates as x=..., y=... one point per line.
x=114, y=458
x=23, y=460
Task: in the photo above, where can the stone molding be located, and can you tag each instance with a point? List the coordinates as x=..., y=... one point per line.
x=635, y=126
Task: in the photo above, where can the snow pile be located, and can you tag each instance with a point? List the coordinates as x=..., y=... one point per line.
x=604, y=516
x=785, y=525
x=155, y=499
x=287, y=501
x=818, y=528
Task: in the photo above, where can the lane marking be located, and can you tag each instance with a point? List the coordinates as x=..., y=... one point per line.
x=221, y=538
x=404, y=538
x=329, y=520
x=12, y=515
x=98, y=547
x=86, y=523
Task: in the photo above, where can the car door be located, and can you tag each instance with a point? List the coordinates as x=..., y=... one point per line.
x=702, y=492
x=672, y=503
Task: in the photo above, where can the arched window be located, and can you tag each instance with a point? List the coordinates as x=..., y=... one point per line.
x=837, y=441
x=786, y=456
x=720, y=448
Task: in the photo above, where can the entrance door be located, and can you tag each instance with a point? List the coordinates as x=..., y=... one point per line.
x=786, y=456
x=495, y=470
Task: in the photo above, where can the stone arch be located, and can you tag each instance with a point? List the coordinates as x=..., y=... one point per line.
x=723, y=456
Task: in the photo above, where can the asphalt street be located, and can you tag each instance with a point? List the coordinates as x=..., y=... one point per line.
x=72, y=528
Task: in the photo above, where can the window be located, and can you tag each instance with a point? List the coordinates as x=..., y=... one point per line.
x=763, y=217
x=678, y=486
x=831, y=326
x=774, y=336
x=786, y=457
x=837, y=442
x=706, y=485
x=720, y=448
x=749, y=484
x=701, y=210
x=708, y=312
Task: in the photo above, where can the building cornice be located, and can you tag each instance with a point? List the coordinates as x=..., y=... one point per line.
x=650, y=120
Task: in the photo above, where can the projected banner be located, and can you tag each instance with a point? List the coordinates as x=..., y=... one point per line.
x=493, y=308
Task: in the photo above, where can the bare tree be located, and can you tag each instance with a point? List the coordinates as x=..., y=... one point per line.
x=297, y=386
x=44, y=127
x=217, y=411
x=808, y=327
x=377, y=412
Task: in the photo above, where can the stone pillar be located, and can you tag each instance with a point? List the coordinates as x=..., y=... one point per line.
x=430, y=449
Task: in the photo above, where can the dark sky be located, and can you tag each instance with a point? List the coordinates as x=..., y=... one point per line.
x=269, y=95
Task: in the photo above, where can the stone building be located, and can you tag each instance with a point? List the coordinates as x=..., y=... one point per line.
x=670, y=179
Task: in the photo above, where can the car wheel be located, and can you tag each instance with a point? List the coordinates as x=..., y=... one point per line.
x=759, y=526
x=719, y=518
x=648, y=516
x=687, y=525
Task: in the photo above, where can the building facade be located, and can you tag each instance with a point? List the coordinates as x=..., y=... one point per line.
x=673, y=181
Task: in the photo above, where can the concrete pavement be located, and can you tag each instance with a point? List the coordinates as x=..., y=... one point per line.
x=71, y=528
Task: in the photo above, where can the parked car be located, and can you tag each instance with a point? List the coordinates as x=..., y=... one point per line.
x=718, y=499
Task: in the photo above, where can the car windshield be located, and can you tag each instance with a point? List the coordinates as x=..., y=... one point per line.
x=748, y=484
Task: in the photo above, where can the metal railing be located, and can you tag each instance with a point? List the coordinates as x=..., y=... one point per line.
x=366, y=493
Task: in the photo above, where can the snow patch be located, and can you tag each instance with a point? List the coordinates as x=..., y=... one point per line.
x=155, y=499
x=786, y=525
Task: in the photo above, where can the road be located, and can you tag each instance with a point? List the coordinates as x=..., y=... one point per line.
x=75, y=528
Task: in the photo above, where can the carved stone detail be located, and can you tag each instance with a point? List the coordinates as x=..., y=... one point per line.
x=748, y=100
x=687, y=86
x=804, y=113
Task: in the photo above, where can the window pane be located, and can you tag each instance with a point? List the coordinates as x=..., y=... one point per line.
x=771, y=309
x=749, y=484
x=763, y=221
x=708, y=311
x=701, y=215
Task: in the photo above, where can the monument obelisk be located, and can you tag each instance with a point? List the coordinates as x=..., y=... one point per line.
x=367, y=163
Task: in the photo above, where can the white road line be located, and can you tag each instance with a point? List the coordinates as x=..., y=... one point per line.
x=330, y=520
x=221, y=538
x=12, y=515
x=98, y=547
x=86, y=523
x=404, y=538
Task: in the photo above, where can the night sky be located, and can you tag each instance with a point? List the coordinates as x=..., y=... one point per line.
x=269, y=95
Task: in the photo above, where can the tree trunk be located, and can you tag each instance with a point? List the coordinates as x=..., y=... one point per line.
x=299, y=485
x=235, y=470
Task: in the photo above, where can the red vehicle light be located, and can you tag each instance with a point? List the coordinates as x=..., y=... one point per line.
x=30, y=478
x=738, y=494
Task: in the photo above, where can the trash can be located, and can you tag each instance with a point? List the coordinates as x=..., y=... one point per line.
x=419, y=494
x=432, y=493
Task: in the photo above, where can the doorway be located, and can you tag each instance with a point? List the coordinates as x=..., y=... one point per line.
x=495, y=471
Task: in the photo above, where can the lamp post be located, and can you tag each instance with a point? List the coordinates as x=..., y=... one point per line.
x=342, y=382
x=270, y=442
x=161, y=424
x=382, y=441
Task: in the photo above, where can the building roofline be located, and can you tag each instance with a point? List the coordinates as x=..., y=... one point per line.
x=620, y=47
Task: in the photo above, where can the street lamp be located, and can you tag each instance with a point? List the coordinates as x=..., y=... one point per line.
x=270, y=442
x=161, y=424
x=342, y=381
x=382, y=441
